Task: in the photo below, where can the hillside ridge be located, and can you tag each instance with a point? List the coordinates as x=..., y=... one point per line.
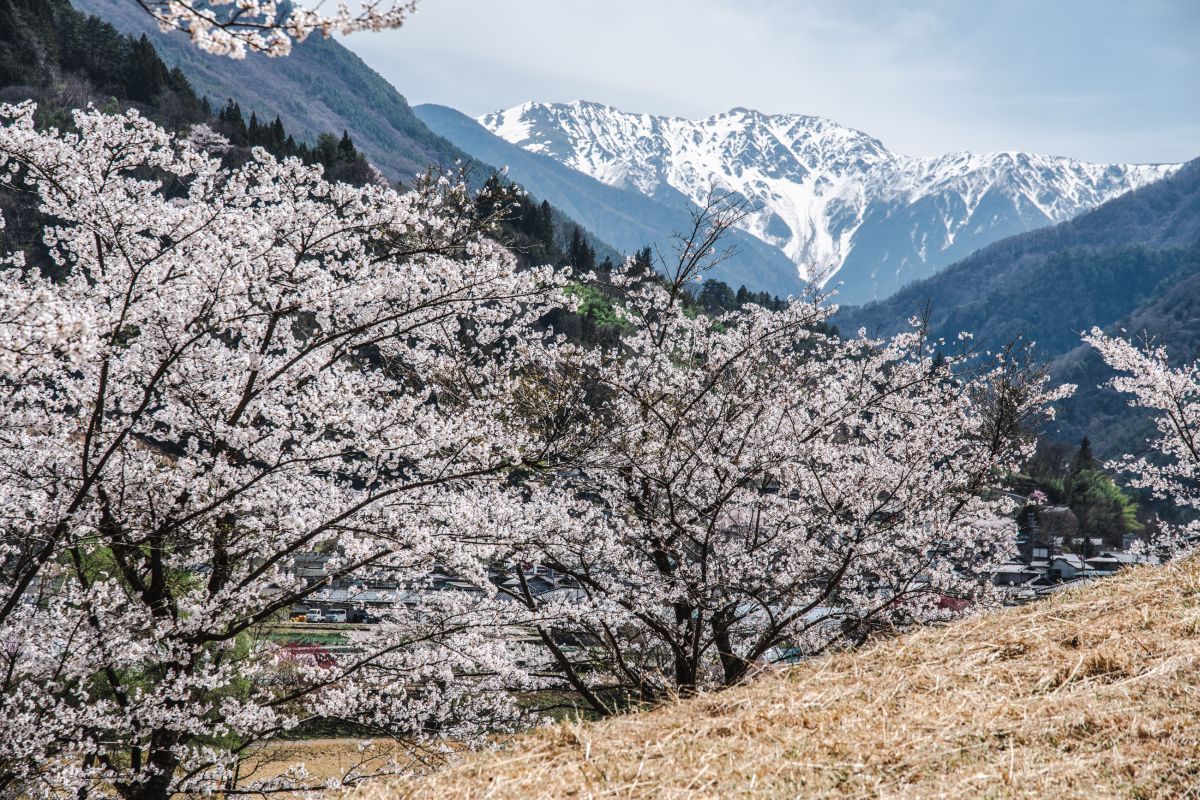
x=1132, y=263
x=1091, y=693
x=322, y=86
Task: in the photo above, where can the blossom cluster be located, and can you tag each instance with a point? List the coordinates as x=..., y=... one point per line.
x=242, y=366
x=235, y=27
x=756, y=487
x=245, y=367
x=1170, y=469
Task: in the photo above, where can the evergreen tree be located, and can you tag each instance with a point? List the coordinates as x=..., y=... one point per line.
x=1084, y=460
x=326, y=149
x=579, y=253
x=253, y=133
x=346, y=151
x=233, y=124
x=716, y=297
x=279, y=137
x=145, y=75
x=545, y=223
x=643, y=262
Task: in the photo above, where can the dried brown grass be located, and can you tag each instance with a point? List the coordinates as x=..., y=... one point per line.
x=1092, y=693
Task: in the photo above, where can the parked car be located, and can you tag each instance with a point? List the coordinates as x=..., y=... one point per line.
x=334, y=615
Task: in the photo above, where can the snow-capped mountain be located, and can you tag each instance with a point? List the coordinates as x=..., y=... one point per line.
x=832, y=199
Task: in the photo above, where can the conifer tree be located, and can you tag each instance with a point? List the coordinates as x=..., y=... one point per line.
x=146, y=75
x=1084, y=459
x=278, y=136
x=545, y=223
x=579, y=253
x=346, y=151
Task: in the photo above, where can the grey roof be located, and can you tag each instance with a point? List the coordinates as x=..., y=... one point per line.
x=366, y=597
x=1014, y=567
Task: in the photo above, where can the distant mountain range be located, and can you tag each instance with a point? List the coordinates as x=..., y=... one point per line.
x=623, y=217
x=826, y=197
x=1133, y=263
x=832, y=200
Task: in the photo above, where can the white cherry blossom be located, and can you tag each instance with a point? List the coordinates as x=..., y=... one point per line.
x=241, y=367
x=235, y=27
x=756, y=488
x=1171, y=392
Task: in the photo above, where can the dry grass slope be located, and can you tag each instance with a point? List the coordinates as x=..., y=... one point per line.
x=1091, y=694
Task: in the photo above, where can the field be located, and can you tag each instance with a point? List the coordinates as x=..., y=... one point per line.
x=1092, y=693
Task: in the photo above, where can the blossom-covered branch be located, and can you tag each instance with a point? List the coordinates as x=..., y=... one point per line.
x=239, y=368
x=1171, y=470
x=234, y=27
x=760, y=488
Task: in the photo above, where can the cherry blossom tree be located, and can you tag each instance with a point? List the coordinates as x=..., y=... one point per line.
x=760, y=488
x=234, y=27
x=1171, y=468
x=242, y=367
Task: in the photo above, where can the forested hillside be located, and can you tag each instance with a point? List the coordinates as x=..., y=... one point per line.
x=1171, y=319
x=1111, y=260
x=1132, y=263
x=320, y=87
x=62, y=59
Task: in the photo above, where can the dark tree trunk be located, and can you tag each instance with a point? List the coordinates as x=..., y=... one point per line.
x=159, y=765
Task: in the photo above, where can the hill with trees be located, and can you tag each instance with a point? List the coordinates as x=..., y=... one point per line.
x=321, y=86
x=61, y=58
x=1132, y=263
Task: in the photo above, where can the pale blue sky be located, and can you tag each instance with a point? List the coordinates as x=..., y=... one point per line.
x=1104, y=80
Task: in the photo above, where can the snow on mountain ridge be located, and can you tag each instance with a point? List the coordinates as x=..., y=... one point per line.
x=820, y=191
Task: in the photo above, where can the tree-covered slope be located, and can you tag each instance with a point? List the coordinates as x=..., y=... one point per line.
x=1132, y=263
x=1102, y=414
x=627, y=219
x=63, y=58
x=1091, y=270
x=320, y=87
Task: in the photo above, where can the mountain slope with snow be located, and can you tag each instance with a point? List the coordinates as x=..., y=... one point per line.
x=836, y=202
x=625, y=218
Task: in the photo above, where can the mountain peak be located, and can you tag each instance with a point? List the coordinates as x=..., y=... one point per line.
x=830, y=197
